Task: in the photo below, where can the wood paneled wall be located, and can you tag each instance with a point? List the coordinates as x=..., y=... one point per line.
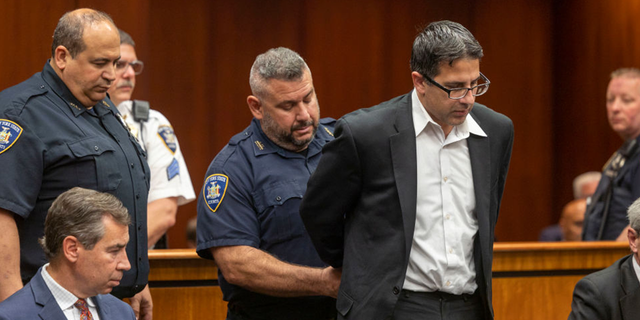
x=548, y=62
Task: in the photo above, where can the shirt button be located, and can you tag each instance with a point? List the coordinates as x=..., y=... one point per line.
x=396, y=290
x=139, y=228
x=445, y=179
x=96, y=148
x=448, y=284
x=137, y=196
x=448, y=216
x=131, y=165
x=450, y=250
x=278, y=198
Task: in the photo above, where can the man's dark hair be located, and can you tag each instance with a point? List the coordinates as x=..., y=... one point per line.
x=442, y=41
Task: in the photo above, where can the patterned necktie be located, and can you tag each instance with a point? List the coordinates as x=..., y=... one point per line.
x=84, y=309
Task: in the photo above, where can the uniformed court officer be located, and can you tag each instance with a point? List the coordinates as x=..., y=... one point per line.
x=57, y=131
x=170, y=180
x=248, y=219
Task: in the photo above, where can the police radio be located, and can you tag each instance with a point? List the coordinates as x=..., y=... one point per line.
x=140, y=110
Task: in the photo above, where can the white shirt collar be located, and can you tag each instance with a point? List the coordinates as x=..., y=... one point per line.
x=421, y=118
x=64, y=297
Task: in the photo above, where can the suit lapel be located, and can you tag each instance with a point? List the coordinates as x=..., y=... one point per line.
x=403, y=157
x=43, y=297
x=629, y=281
x=480, y=155
x=103, y=308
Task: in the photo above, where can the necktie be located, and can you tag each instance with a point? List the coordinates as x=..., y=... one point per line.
x=84, y=309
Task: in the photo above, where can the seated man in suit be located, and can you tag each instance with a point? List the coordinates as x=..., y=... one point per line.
x=612, y=293
x=85, y=236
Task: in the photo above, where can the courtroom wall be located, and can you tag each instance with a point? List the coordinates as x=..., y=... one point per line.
x=548, y=64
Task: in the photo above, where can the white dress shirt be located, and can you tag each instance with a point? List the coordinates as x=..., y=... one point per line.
x=66, y=299
x=441, y=257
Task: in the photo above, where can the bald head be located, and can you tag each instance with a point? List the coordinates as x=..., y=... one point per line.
x=572, y=219
x=71, y=26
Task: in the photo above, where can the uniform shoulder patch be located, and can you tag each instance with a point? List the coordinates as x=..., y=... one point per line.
x=168, y=137
x=9, y=134
x=215, y=187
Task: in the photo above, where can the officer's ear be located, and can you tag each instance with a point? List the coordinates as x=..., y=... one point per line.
x=255, y=106
x=61, y=56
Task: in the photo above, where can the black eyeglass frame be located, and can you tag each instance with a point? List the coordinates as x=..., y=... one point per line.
x=448, y=91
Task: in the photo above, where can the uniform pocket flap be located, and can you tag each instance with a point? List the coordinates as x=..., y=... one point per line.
x=92, y=146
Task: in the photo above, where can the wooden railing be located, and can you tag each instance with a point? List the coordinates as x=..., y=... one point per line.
x=530, y=280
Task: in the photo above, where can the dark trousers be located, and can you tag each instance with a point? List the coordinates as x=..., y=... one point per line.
x=438, y=306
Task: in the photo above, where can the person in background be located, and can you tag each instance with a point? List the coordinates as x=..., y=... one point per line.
x=572, y=217
x=569, y=228
x=619, y=186
x=170, y=184
x=85, y=237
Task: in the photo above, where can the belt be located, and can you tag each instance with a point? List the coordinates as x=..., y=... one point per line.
x=440, y=296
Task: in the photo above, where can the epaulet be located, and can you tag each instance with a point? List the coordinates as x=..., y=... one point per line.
x=244, y=135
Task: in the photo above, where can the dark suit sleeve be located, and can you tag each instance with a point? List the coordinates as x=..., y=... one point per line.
x=332, y=192
x=588, y=302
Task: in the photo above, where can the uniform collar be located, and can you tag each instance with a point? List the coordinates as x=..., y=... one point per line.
x=60, y=88
x=263, y=145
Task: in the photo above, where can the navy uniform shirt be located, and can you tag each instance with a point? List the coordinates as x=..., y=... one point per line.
x=626, y=189
x=50, y=143
x=251, y=196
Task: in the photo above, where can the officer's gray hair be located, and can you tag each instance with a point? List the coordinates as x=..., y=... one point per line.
x=78, y=212
x=125, y=38
x=68, y=32
x=280, y=64
x=633, y=213
x=442, y=41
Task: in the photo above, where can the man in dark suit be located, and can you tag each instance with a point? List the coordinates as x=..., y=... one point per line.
x=612, y=293
x=406, y=198
x=85, y=236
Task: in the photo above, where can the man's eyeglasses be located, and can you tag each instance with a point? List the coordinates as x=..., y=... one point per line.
x=458, y=93
x=137, y=66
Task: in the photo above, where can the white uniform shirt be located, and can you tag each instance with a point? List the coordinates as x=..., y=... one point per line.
x=66, y=299
x=169, y=174
x=441, y=257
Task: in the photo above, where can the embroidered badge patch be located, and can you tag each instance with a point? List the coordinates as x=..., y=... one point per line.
x=173, y=169
x=169, y=139
x=9, y=134
x=215, y=187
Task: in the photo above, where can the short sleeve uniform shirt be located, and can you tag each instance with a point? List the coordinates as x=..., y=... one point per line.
x=50, y=144
x=251, y=196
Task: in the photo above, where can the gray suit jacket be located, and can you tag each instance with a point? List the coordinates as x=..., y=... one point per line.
x=360, y=205
x=612, y=293
x=35, y=301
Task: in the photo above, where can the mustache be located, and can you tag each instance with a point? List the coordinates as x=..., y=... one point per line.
x=125, y=83
x=302, y=125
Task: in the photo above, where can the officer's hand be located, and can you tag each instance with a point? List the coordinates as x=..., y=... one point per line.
x=331, y=279
x=142, y=304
